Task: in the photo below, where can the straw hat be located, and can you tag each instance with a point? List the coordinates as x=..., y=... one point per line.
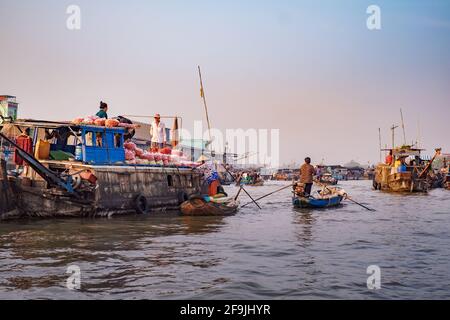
x=202, y=158
x=10, y=130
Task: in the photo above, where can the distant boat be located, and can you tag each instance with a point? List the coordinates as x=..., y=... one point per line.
x=328, y=179
x=250, y=183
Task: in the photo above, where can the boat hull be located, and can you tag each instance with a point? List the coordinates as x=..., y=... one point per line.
x=301, y=202
x=257, y=184
x=118, y=191
x=403, y=182
x=199, y=207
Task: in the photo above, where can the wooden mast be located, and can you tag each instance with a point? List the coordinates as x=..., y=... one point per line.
x=403, y=126
x=202, y=93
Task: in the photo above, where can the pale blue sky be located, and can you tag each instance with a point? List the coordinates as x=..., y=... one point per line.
x=310, y=68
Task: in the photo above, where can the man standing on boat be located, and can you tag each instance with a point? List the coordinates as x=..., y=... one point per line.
x=307, y=173
x=103, y=110
x=158, y=133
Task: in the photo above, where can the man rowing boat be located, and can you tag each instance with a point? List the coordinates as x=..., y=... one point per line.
x=307, y=173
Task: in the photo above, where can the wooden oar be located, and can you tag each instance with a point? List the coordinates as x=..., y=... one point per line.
x=359, y=204
x=355, y=202
x=253, y=200
x=269, y=194
x=237, y=195
x=242, y=188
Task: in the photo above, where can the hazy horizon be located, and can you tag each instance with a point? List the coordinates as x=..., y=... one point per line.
x=311, y=69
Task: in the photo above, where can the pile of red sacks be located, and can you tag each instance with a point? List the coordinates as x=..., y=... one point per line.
x=163, y=157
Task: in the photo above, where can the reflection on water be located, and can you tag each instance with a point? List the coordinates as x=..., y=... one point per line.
x=277, y=252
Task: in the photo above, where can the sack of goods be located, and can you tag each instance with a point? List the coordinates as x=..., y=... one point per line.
x=164, y=157
x=112, y=123
x=100, y=122
x=139, y=152
x=165, y=150
x=129, y=155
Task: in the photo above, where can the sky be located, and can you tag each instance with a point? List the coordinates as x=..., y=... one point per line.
x=311, y=69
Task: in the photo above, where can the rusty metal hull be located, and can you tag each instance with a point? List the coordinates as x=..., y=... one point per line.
x=115, y=193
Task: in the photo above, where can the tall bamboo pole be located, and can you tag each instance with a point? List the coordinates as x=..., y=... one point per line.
x=379, y=139
x=202, y=93
x=393, y=135
x=403, y=126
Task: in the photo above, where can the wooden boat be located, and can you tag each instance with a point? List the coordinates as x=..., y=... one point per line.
x=327, y=197
x=387, y=178
x=322, y=202
x=198, y=206
x=259, y=183
x=71, y=188
x=328, y=179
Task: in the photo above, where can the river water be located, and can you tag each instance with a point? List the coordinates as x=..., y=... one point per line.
x=274, y=253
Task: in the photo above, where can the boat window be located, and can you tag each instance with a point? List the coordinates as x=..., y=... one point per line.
x=169, y=180
x=188, y=181
x=89, y=138
x=99, y=137
x=117, y=140
x=72, y=140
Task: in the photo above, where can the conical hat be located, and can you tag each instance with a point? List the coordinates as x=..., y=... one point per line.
x=10, y=130
x=202, y=158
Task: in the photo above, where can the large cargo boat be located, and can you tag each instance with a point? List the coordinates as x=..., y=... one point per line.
x=89, y=176
x=413, y=179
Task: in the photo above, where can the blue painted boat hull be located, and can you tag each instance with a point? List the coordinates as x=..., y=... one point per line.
x=334, y=201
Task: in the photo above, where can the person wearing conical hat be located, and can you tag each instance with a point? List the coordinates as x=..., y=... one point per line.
x=158, y=133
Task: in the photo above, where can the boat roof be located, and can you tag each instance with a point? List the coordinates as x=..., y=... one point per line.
x=405, y=151
x=42, y=123
x=54, y=124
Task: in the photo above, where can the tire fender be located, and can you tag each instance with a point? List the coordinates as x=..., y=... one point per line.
x=182, y=197
x=141, y=204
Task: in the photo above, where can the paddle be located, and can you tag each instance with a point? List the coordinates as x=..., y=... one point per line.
x=355, y=202
x=359, y=204
x=237, y=195
x=253, y=201
x=269, y=194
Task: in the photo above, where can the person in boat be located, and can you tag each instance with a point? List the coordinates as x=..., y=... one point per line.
x=210, y=175
x=158, y=133
x=307, y=173
x=25, y=142
x=401, y=165
x=102, y=113
x=389, y=159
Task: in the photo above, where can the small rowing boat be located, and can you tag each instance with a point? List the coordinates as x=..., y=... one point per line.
x=259, y=183
x=325, y=198
x=312, y=202
x=209, y=206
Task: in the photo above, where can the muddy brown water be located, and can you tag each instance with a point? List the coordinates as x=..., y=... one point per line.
x=274, y=253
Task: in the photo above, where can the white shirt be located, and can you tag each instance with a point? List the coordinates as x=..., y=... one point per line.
x=158, y=132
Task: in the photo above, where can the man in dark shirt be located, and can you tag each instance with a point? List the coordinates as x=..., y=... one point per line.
x=307, y=172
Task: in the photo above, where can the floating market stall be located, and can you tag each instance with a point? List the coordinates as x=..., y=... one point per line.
x=88, y=169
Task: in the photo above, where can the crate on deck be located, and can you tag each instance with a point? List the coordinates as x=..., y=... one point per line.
x=101, y=145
